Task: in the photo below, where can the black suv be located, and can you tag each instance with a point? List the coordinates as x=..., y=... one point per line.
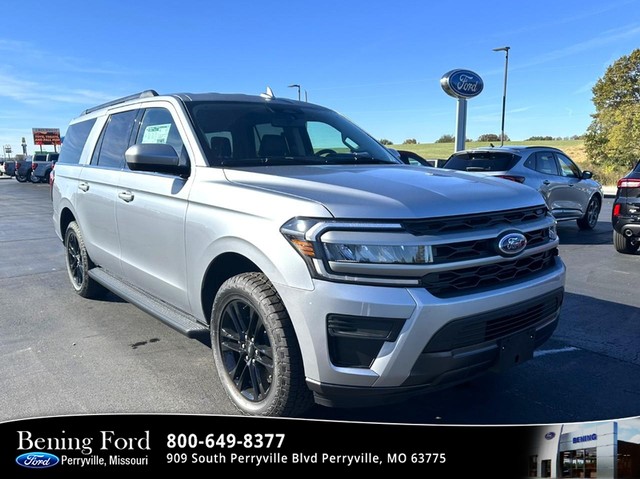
x=626, y=213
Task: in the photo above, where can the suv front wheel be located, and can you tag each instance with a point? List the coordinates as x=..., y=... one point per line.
x=255, y=349
x=590, y=218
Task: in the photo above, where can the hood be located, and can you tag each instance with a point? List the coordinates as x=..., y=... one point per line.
x=389, y=191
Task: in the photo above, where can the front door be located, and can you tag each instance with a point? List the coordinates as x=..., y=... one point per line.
x=151, y=210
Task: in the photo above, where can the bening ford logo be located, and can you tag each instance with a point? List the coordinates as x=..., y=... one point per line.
x=512, y=244
x=37, y=460
x=462, y=83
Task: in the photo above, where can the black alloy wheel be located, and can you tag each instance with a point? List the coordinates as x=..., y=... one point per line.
x=590, y=218
x=255, y=349
x=78, y=264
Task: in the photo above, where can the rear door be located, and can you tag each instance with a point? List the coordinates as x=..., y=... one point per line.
x=151, y=210
x=98, y=188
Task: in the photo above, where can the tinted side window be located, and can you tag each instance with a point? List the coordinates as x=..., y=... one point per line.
x=74, y=141
x=567, y=167
x=115, y=140
x=158, y=127
x=546, y=163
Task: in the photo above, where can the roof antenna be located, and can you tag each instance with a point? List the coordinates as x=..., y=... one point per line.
x=268, y=95
x=492, y=146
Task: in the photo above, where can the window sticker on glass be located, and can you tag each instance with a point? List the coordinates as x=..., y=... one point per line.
x=156, y=133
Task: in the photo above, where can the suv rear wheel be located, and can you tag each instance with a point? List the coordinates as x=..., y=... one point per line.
x=78, y=264
x=623, y=244
x=255, y=349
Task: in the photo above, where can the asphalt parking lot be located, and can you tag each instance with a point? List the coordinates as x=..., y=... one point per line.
x=62, y=354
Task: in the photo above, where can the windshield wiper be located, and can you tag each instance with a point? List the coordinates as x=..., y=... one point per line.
x=334, y=159
x=356, y=159
x=273, y=161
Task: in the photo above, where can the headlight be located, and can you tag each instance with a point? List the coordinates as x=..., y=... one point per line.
x=359, y=251
x=363, y=253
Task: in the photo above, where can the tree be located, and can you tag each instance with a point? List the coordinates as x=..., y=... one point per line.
x=539, y=138
x=613, y=137
x=410, y=141
x=384, y=141
x=489, y=137
x=446, y=139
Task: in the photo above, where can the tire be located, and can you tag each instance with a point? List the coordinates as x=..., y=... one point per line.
x=624, y=244
x=78, y=264
x=35, y=179
x=590, y=218
x=255, y=349
x=21, y=178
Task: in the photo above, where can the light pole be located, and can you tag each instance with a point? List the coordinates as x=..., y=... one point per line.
x=298, y=87
x=504, y=93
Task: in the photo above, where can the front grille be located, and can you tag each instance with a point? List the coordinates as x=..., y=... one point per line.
x=452, y=224
x=495, y=325
x=445, y=284
x=469, y=250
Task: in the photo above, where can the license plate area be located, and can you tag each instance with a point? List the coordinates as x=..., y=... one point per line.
x=515, y=349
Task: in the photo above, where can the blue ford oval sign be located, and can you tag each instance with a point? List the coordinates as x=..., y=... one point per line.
x=37, y=460
x=550, y=435
x=511, y=244
x=462, y=83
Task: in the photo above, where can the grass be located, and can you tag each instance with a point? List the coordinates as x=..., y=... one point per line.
x=574, y=149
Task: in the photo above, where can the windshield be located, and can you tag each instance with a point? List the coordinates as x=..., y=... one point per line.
x=254, y=134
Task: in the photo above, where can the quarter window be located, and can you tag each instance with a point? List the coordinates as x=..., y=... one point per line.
x=74, y=141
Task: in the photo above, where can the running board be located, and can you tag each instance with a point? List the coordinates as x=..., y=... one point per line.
x=173, y=317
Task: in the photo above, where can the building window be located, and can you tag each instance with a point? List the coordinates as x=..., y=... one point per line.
x=580, y=463
x=546, y=468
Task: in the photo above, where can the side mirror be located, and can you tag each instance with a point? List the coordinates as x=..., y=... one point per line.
x=155, y=157
x=586, y=175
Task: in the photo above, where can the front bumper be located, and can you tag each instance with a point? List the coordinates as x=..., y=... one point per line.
x=440, y=341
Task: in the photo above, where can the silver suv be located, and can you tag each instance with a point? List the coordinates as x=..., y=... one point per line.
x=323, y=268
x=570, y=194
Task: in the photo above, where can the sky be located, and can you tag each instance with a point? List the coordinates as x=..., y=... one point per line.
x=377, y=62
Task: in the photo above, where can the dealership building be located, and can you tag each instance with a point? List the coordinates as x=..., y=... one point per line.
x=583, y=450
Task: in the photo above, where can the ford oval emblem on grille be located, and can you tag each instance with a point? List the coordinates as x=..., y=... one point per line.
x=511, y=244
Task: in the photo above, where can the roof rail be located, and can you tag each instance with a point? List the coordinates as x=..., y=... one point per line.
x=142, y=94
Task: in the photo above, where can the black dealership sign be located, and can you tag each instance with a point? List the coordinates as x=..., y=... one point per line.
x=108, y=445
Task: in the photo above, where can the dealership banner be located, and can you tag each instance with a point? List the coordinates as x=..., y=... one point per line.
x=106, y=445
x=46, y=136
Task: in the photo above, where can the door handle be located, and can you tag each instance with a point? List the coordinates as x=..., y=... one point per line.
x=126, y=196
x=83, y=186
x=546, y=182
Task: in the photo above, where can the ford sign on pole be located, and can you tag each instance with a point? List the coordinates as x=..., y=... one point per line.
x=461, y=84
